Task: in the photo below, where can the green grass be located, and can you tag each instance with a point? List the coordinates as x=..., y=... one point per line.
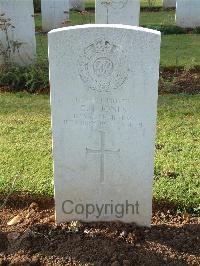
x=77, y=19
x=42, y=46
x=180, y=50
x=177, y=164
x=176, y=50
x=146, y=18
x=25, y=146
x=157, y=18
x=25, y=143
x=38, y=21
x=156, y=3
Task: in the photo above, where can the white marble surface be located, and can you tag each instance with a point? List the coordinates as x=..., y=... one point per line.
x=55, y=14
x=188, y=13
x=104, y=83
x=169, y=3
x=22, y=35
x=125, y=12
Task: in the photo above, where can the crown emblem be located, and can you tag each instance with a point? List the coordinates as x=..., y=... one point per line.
x=103, y=66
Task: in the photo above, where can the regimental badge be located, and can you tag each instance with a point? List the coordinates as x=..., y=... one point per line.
x=103, y=66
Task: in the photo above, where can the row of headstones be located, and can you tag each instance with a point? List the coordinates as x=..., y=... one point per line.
x=17, y=28
x=187, y=12
x=22, y=46
x=56, y=13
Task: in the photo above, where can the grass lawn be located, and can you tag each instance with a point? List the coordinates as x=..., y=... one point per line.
x=157, y=18
x=145, y=3
x=176, y=50
x=146, y=18
x=180, y=50
x=25, y=146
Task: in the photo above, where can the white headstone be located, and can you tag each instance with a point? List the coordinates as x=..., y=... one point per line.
x=125, y=12
x=104, y=81
x=188, y=13
x=77, y=5
x=21, y=32
x=55, y=13
x=169, y=3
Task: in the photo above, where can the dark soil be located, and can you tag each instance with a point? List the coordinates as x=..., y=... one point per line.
x=172, y=80
x=179, y=81
x=35, y=240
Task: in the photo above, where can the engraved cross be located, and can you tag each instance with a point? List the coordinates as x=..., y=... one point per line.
x=102, y=151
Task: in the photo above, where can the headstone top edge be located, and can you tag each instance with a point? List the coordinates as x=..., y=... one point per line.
x=97, y=26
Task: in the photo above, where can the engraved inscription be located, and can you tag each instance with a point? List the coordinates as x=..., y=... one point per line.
x=116, y=4
x=102, y=151
x=103, y=66
x=101, y=113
